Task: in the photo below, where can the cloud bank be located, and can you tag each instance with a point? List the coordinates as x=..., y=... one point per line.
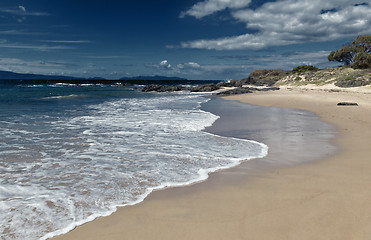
x=208, y=7
x=6, y=44
x=285, y=22
x=242, y=65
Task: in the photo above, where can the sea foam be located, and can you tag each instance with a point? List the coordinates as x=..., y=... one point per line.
x=62, y=170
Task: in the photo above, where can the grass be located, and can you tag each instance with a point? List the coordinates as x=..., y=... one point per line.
x=324, y=76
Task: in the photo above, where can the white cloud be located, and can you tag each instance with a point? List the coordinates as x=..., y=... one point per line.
x=287, y=22
x=23, y=9
x=5, y=44
x=208, y=7
x=22, y=19
x=189, y=65
x=19, y=32
x=165, y=64
x=246, y=41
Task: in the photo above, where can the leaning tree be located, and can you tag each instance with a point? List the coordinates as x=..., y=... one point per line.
x=357, y=54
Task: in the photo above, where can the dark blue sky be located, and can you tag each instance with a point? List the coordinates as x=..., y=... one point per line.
x=211, y=39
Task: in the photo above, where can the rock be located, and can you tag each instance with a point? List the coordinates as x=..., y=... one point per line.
x=264, y=77
x=205, y=88
x=347, y=104
x=161, y=88
x=234, y=83
x=352, y=83
x=150, y=88
x=235, y=91
x=169, y=88
x=222, y=84
x=268, y=89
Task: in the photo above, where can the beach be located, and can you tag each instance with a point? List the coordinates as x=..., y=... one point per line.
x=327, y=197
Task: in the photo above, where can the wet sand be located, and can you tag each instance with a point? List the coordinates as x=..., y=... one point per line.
x=303, y=191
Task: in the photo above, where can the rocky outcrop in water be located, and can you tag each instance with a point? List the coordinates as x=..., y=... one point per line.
x=170, y=88
x=162, y=88
x=207, y=88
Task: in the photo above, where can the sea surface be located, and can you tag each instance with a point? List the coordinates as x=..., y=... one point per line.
x=71, y=153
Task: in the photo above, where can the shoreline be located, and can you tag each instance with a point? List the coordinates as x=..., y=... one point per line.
x=219, y=209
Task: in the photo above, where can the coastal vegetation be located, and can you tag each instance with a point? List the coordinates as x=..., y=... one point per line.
x=356, y=71
x=340, y=76
x=304, y=68
x=273, y=79
x=357, y=54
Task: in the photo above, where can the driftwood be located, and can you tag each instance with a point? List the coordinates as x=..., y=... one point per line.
x=347, y=104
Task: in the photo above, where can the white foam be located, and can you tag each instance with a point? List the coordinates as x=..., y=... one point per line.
x=86, y=164
x=64, y=96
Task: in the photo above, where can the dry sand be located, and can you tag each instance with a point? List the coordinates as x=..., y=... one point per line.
x=327, y=199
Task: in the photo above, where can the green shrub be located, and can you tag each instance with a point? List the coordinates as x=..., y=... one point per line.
x=304, y=68
x=362, y=60
x=357, y=54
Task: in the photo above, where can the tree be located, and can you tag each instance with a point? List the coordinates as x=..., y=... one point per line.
x=344, y=55
x=362, y=60
x=363, y=42
x=356, y=54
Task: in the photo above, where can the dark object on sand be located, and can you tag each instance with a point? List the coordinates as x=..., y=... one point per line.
x=347, y=104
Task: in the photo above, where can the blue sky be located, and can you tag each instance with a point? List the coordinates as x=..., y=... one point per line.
x=195, y=39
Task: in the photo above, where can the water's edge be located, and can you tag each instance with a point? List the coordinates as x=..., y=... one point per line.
x=308, y=138
x=203, y=176
x=244, y=121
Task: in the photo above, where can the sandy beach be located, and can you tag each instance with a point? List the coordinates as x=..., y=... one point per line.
x=329, y=198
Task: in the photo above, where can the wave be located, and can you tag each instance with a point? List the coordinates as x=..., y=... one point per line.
x=66, y=96
x=84, y=163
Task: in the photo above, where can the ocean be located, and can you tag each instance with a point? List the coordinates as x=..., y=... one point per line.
x=70, y=153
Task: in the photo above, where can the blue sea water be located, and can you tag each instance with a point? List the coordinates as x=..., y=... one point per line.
x=71, y=153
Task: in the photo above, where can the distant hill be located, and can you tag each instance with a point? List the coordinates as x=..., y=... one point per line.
x=7, y=77
x=152, y=78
